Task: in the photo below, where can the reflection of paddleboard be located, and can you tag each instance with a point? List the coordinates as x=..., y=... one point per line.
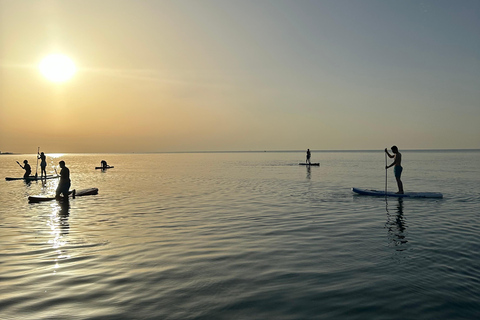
x=309, y=164
x=79, y=193
x=33, y=178
x=107, y=167
x=367, y=192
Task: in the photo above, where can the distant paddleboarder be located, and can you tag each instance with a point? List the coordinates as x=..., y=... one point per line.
x=104, y=164
x=397, y=166
x=43, y=164
x=308, y=157
x=27, y=168
x=64, y=183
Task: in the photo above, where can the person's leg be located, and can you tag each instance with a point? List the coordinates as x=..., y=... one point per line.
x=398, y=173
x=65, y=191
x=62, y=190
x=400, y=185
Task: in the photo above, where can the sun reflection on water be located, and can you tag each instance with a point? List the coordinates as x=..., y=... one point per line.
x=55, y=155
x=59, y=229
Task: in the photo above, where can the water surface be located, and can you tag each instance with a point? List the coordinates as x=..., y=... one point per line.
x=242, y=236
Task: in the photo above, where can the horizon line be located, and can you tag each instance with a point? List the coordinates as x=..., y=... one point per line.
x=252, y=151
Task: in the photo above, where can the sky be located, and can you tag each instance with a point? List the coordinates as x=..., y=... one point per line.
x=221, y=75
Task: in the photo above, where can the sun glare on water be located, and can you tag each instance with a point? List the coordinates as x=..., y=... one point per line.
x=57, y=67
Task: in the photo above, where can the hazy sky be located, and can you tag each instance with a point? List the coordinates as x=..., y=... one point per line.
x=240, y=75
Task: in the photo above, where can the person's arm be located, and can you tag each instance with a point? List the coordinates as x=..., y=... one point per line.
x=389, y=155
x=394, y=162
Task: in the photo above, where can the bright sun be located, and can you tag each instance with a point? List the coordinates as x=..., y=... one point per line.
x=57, y=67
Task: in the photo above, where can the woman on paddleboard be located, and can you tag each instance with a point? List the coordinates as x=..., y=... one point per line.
x=64, y=183
x=43, y=164
x=27, y=168
x=397, y=164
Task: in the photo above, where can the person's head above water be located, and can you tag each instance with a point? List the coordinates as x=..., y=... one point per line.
x=62, y=164
x=25, y=161
x=395, y=149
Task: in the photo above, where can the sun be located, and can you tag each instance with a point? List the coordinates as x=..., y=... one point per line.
x=57, y=67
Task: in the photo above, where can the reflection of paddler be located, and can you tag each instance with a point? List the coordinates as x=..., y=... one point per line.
x=64, y=183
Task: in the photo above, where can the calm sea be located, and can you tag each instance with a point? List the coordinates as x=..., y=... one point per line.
x=243, y=236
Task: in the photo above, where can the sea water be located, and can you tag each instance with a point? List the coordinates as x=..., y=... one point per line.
x=243, y=236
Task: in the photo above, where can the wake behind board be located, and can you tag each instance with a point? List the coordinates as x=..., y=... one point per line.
x=79, y=193
x=103, y=168
x=33, y=178
x=309, y=164
x=367, y=192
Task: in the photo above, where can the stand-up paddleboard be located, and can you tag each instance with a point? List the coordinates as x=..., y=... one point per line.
x=309, y=164
x=366, y=192
x=107, y=167
x=78, y=193
x=33, y=178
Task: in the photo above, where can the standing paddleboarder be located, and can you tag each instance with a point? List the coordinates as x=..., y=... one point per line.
x=397, y=166
x=308, y=157
x=43, y=164
x=64, y=183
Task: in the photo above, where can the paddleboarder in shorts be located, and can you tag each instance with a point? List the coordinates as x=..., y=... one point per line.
x=308, y=157
x=397, y=166
x=43, y=164
x=64, y=183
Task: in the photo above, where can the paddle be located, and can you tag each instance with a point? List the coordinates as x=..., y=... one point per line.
x=386, y=173
x=36, y=169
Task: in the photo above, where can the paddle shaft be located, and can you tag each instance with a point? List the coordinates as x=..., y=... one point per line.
x=36, y=169
x=386, y=173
